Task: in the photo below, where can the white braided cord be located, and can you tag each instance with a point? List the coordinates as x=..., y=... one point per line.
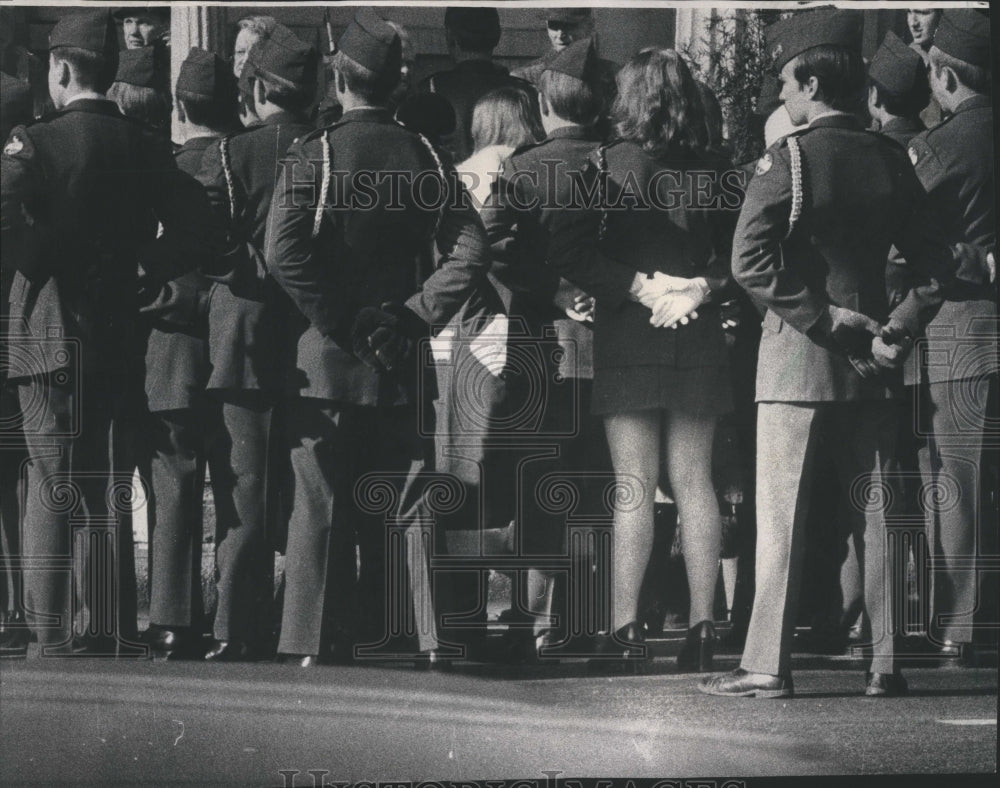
x=227, y=171
x=795, y=153
x=324, y=188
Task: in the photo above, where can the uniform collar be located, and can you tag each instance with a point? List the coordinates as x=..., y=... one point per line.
x=100, y=106
x=902, y=124
x=283, y=118
x=975, y=102
x=196, y=143
x=573, y=133
x=836, y=120
x=367, y=114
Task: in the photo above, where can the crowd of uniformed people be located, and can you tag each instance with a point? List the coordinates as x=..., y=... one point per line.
x=495, y=320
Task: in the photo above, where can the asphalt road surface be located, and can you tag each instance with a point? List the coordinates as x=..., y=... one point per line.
x=93, y=721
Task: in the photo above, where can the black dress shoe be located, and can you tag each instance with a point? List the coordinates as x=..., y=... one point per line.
x=299, y=660
x=623, y=651
x=741, y=684
x=14, y=634
x=699, y=649
x=228, y=651
x=172, y=643
x=887, y=685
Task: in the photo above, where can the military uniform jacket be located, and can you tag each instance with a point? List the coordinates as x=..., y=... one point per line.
x=247, y=315
x=657, y=220
x=365, y=246
x=177, y=365
x=83, y=191
x=859, y=195
x=463, y=86
x=955, y=162
x=902, y=130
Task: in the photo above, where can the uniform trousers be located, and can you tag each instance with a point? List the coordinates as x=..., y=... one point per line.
x=78, y=477
x=354, y=470
x=12, y=455
x=862, y=437
x=952, y=417
x=230, y=432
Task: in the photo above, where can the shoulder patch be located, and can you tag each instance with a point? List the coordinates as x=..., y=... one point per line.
x=14, y=146
x=914, y=156
x=764, y=163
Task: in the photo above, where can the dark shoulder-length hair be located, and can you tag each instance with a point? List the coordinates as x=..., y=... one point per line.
x=658, y=105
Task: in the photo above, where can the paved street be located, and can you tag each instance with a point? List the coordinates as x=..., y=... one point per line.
x=92, y=721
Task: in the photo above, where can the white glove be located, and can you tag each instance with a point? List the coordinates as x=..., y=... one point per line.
x=648, y=290
x=679, y=306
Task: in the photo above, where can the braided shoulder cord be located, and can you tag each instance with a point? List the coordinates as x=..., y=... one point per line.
x=444, y=182
x=795, y=152
x=227, y=171
x=602, y=184
x=324, y=188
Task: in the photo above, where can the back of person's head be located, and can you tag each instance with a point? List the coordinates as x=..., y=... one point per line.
x=473, y=29
x=369, y=58
x=138, y=90
x=976, y=78
x=903, y=105
x=145, y=104
x=91, y=70
x=962, y=44
x=206, y=92
x=839, y=71
x=285, y=68
x=571, y=85
x=658, y=106
x=506, y=116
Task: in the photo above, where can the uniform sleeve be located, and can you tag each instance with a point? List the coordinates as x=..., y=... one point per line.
x=512, y=265
x=191, y=238
x=290, y=251
x=574, y=252
x=21, y=189
x=933, y=268
x=463, y=262
x=757, y=264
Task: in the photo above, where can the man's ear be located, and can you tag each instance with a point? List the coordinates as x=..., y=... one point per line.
x=259, y=97
x=950, y=80
x=65, y=73
x=873, y=97
x=812, y=87
x=543, y=105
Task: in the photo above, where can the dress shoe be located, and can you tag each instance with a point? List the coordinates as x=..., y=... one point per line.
x=698, y=649
x=741, y=684
x=299, y=660
x=623, y=651
x=172, y=643
x=228, y=651
x=14, y=634
x=887, y=685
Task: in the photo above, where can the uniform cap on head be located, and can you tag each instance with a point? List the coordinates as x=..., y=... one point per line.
x=159, y=11
x=371, y=42
x=568, y=16
x=578, y=60
x=790, y=37
x=206, y=75
x=475, y=22
x=137, y=67
x=964, y=34
x=896, y=66
x=282, y=54
x=93, y=31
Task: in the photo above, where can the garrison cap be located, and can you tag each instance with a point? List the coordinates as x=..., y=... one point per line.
x=569, y=16
x=137, y=67
x=481, y=24
x=965, y=35
x=159, y=11
x=371, y=42
x=93, y=31
x=206, y=75
x=897, y=67
x=282, y=54
x=578, y=60
x=791, y=37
